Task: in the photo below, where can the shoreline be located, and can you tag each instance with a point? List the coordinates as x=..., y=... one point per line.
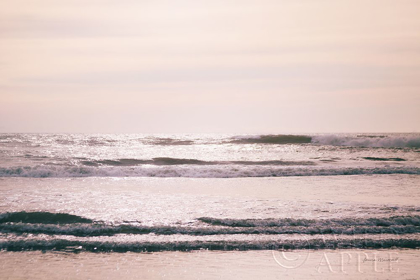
x=203, y=264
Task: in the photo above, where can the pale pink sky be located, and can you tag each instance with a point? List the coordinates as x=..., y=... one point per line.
x=240, y=66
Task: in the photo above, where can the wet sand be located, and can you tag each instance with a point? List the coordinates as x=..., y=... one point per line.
x=301, y=264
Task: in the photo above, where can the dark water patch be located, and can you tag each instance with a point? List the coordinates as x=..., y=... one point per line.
x=117, y=162
x=41, y=218
x=154, y=161
x=384, y=159
x=169, y=142
x=184, y=161
x=35, y=157
x=98, y=142
x=176, y=161
x=65, y=141
x=270, y=162
x=371, y=136
x=274, y=139
x=179, y=161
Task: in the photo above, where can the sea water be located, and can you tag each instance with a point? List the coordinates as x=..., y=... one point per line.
x=96, y=197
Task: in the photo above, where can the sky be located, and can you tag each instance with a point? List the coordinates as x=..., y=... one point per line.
x=201, y=66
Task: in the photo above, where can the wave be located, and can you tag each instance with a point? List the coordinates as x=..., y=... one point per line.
x=119, y=140
x=98, y=246
x=118, y=162
x=184, y=161
x=41, y=218
x=383, y=141
x=41, y=230
x=195, y=171
x=66, y=224
x=384, y=222
x=89, y=230
x=273, y=139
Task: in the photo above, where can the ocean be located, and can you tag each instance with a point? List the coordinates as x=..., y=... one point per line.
x=209, y=206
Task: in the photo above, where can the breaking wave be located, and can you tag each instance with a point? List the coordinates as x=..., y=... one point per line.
x=385, y=141
x=98, y=246
x=23, y=231
x=88, y=230
x=388, y=141
x=195, y=171
x=66, y=224
x=375, y=222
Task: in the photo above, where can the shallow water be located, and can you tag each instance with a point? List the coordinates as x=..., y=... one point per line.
x=155, y=214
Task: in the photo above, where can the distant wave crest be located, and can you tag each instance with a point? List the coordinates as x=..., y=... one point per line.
x=361, y=140
x=273, y=139
x=407, y=140
x=368, y=141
